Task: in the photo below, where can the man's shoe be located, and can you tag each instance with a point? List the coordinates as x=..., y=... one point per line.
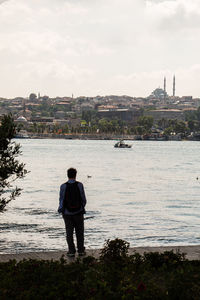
x=82, y=253
x=69, y=254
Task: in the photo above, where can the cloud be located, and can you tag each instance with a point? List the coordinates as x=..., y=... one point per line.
x=1, y=1
x=175, y=15
x=91, y=46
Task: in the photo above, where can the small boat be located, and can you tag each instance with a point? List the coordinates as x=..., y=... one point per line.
x=121, y=144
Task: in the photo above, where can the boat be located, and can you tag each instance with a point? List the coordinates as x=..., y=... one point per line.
x=121, y=144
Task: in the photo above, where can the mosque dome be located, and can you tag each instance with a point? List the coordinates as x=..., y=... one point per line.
x=158, y=93
x=21, y=119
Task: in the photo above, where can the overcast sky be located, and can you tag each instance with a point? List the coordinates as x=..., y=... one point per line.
x=99, y=47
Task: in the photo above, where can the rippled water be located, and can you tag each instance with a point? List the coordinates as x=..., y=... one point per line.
x=147, y=195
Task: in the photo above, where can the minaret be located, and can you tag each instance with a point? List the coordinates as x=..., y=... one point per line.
x=164, y=89
x=165, y=85
x=174, y=86
x=24, y=107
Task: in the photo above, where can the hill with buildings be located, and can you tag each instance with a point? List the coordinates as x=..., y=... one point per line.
x=158, y=113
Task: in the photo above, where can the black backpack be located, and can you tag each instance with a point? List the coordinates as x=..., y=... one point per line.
x=72, y=200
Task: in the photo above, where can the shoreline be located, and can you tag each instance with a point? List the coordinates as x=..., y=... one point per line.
x=192, y=253
x=111, y=137
x=79, y=136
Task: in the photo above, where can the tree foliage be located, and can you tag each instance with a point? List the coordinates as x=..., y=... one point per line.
x=146, y=122
x=175, y=126
x=10, y=168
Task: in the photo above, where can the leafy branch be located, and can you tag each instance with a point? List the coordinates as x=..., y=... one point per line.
x=10, y=167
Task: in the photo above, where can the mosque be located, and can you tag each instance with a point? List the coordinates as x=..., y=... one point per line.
x=161, y=94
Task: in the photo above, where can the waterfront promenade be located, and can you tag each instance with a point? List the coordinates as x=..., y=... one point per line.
x=192, y=253
x=81, y=136
x=110, y=136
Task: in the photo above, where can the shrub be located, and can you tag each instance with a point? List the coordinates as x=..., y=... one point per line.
x=114, y=250
x=151, y=276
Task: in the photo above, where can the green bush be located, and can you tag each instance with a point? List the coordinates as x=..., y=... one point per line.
x=116, y=275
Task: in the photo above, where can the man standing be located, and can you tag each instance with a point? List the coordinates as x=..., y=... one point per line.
x=72, y=203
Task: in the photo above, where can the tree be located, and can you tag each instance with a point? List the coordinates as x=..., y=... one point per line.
x=169, y=130
x=146, y=122
x=139, y=130
x=191, y=125
x=66, y=128
x=180, y=127
x=198, y=113
x=103, y=125
x=163, y=123
x=10, y=168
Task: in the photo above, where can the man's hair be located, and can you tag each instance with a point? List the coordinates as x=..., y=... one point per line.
x=71, y=173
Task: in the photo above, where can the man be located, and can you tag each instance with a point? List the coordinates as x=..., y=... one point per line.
x=72, y=203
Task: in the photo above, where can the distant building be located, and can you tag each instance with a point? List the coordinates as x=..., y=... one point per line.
x=158, y=94
x=107, y=107
x=127, y=115
x=60, y=114
x=66, y=104
x=86, y=107
x=42, y=119
x=196, y=102
x=186, y=98
x=74, y=122
x=166, y=114
x=60, y=121
x=21, y=119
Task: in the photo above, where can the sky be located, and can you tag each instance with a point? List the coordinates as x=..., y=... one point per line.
x=99, y=47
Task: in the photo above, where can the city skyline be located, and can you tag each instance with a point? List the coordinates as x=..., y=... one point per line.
x=86, y=47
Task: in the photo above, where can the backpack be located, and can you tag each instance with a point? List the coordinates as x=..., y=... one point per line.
x=72, y=200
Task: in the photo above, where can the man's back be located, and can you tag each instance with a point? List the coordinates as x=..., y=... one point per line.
x=72, y=203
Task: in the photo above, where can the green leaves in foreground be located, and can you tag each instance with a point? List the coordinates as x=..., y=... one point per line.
x=150, y=276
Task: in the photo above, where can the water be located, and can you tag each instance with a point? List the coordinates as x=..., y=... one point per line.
x=147, y=195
